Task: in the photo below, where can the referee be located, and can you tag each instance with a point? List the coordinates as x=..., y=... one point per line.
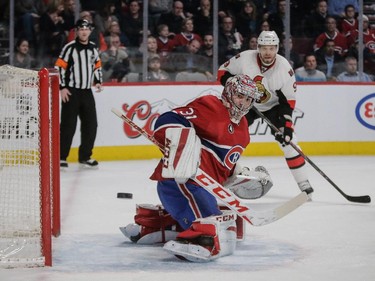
x=79, y=67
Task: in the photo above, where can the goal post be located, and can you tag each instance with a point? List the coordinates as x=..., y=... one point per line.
x=29, y=166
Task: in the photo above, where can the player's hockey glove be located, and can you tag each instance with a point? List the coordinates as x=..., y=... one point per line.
x=286, y=132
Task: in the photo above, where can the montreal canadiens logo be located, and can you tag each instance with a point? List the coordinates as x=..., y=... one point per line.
x=232, y=156
x=365, y=111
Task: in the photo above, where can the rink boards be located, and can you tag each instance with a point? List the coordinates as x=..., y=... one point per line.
x=330, y=119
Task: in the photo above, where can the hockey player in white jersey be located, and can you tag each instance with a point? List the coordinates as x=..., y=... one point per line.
x=276, y=80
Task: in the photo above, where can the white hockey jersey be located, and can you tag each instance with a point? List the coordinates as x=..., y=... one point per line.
x=278, y=76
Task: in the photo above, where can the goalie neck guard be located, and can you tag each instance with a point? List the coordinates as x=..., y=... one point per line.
x=240, y=93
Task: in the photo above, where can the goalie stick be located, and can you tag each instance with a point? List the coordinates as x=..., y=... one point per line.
x=229, y=199
x=356, y=199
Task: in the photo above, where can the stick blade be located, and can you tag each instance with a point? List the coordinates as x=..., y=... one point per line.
x=269, y=216
x=359, y=199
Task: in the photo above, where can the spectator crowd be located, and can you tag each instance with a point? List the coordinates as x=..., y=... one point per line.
x=324, y=36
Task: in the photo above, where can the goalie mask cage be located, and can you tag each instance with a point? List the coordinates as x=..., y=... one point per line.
x=29, y=166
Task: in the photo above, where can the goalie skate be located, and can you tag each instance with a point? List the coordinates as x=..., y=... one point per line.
x=134, y=233
x=207, y=239
x=187, y=251
x=152, y=225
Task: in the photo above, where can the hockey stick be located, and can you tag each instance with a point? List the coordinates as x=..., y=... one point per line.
x=226, y=196
x=356, y=199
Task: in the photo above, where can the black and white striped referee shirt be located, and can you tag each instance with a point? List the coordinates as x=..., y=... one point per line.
x=79, y=65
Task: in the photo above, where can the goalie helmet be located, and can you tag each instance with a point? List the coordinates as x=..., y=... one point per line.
x=240, y=93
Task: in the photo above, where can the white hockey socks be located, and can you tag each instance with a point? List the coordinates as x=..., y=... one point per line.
x=207, y=239
x=182, y=155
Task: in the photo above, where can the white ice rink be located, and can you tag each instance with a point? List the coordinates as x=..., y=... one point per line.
x=327, y=239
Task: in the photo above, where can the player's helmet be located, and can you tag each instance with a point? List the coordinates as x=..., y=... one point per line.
x=268, y=38
x=238, y=86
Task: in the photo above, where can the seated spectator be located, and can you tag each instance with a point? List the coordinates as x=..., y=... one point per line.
x=314, y=24
x=229, y=40
x=308, y=72
x=294, y=57
x=368, y=35
x=155, y=9
x=114, y=29
x=131, y=24
x=203, y=19
x=174, y=18
x=207, y=51
x=187, y=34
x=104, y=17
x=329, y=61
x=250, y=43
x=277, y=19
x=165, y=45
x=336, y=8
x=51, y=36
x=136, y=57
x=368, y=57
x=95, y=36
x=351, y=74
x=247, y=21
x=349, y=23
x=155, y=73
x=264, y=26
x=68, y=15
x=186, y=58
x=331, y=32
x=22, y=57
x=27, y=15
x=115, y=60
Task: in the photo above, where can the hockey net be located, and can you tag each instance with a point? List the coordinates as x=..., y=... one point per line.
x=29, y=166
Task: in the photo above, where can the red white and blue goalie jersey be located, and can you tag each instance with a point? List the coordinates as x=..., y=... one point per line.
x=222, y=140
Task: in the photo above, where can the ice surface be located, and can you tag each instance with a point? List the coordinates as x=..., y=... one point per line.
x=326, y=239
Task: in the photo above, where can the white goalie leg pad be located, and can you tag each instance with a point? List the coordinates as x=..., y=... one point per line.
x=207, y=239
x=249, y=183
x=182, y=154
x=240, y=224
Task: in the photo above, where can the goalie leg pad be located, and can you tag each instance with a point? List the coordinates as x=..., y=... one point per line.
x=207, y=239
x=250, y=183
x=240, y=225
x=153, y=224
x=182, y=154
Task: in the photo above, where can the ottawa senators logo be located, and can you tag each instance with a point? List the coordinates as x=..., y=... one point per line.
x=266, y=95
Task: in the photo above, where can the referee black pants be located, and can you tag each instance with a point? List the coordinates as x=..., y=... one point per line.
x=81, y=104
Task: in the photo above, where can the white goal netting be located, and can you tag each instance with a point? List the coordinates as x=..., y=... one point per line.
x=20, y=190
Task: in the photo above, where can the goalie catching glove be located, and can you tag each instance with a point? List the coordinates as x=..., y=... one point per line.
x=182, y=154
x=249, y=183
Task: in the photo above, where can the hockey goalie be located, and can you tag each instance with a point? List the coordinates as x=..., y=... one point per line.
x=211, y=133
